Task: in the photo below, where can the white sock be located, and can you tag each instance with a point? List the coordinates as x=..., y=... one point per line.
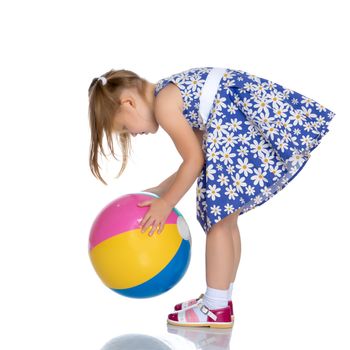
x=229, y=294
x=213, y=299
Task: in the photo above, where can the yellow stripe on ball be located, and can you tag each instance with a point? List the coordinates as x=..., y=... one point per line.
x=132, y=258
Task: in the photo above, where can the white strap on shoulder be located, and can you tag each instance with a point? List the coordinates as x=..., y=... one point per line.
x=209, y=90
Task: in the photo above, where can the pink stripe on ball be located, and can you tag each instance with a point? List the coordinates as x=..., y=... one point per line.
x=121, y=215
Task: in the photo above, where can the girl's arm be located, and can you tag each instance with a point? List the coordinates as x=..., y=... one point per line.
x=169, y=116
x=188, y=172
x=166, y=184
x=163, y=186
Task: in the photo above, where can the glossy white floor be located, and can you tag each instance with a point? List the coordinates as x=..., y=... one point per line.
x=292, y=285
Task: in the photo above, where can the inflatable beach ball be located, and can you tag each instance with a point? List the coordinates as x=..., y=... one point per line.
x=133, y=263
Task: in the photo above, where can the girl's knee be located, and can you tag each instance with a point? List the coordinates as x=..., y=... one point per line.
x=220, y=227
x=231, y=220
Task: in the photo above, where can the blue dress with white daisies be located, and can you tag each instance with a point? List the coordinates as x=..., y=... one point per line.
x=257, y=138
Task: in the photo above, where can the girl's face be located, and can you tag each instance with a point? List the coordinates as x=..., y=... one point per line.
x=135, y=115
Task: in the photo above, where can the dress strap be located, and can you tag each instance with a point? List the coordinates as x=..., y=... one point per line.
x=209, y=90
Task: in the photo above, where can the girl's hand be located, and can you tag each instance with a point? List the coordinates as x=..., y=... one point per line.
x=156, y=215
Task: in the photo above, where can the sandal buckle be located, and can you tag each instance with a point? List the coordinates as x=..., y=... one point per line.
x=207, y=312
x=204, y=309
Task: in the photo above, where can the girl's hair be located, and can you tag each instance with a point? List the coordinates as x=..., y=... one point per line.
x=104, y=102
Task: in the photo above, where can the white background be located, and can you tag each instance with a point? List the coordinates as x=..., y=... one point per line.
x=292, y=288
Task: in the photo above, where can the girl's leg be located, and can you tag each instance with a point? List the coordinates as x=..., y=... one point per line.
x=236, y=238
x=219, y=270
x=219, y=256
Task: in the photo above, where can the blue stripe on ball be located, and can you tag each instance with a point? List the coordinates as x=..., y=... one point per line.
x=165, y=279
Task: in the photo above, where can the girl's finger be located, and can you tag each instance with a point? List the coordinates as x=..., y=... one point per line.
x=160, y=229
x=145, y=203
x=146, y=224
x=154, y=227
x=144, y=220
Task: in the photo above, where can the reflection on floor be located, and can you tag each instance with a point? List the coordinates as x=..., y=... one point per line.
x=181, y=338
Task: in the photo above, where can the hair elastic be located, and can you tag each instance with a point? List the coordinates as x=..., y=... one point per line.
x=103, y=79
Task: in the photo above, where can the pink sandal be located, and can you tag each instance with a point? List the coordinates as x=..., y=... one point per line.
x=191, y=302
x=187, y=303
x=218, y=318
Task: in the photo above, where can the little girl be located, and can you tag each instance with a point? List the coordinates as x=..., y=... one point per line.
x=242, y=137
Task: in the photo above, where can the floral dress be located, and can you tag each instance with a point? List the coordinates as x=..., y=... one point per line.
x=257, y=137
